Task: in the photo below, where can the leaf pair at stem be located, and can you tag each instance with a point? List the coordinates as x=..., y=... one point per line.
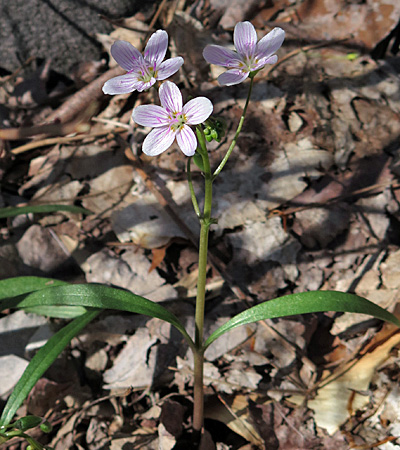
x=47, y=296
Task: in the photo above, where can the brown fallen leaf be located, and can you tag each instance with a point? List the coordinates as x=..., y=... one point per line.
x=235, y=416
x=342, y=391
x=158, y=257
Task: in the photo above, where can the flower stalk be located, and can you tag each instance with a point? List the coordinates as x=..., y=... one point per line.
x=205, y=223
x=239, y=129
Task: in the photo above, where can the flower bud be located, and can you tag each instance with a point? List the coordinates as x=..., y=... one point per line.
x=27, y=422
x=46, y=427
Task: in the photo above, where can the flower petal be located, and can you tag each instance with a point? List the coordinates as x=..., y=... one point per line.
x=125, y=54
x=169, y=67
x=156, y=48
x=121, y=85
x=264, y=61
x=197, y=110
x=270, y=43
x=186, y=140
x=158, y=140
x=245, y=38
x=144, y=85
x=150, y=116
x=231, y=77
x=170, y=97
x=221, y=56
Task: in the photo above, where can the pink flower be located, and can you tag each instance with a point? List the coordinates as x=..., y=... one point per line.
x=143, y=71
x=249, y=55
x=172, y=120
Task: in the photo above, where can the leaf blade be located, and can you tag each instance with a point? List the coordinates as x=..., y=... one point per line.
x=97, y=296
x=41, y=362
x=12, y=211
x=57, y=311
x=304, y=303
x=13, y=287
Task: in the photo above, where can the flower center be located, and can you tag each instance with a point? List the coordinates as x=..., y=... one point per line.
x=146, y=74
x=178, y=120
x=248, y=63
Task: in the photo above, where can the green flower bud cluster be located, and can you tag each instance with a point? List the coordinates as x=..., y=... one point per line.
x=28, y=422
x=18, y=428
x=214, y=129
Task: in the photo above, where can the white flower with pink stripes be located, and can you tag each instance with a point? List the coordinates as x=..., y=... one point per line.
x=249, y=56
x=143, y=71
x=172, y=120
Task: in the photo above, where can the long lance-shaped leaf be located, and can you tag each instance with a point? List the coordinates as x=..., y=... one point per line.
x=57, y=311
x=97, y=296
x=12, y=287
x=303, y=303
x=41, y=362
x=12, y=211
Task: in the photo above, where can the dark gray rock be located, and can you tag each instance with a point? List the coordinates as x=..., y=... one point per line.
x=63, y=30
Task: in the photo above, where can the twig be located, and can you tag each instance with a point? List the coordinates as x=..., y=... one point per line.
x=15, y=134
x=63, y=140
x=304, y=49
x=116, y=123
x=16, y=72
x=157, y=14
x=79, y=101
x=366, y=190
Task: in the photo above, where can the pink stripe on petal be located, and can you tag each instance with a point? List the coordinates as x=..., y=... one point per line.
x=186, y=140
x=231, y=77
x=124, y=84
x=245, y=39
x=156, y=48
x=143, y=85
x=125, y=54
x=170, y=97
x=169, y=67
x=264, y=61
x=270, y=43
x=158, y=140
x=220, y=56
x=150, y=116
x=197, y=110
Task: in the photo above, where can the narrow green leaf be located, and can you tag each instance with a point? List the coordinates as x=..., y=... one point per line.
x=57, y=311
x=96, y=296
x=303, y=303
x=41, y=362
x=12, y=287
x=12, y=211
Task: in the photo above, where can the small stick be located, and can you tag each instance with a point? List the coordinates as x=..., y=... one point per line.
x=63, y=140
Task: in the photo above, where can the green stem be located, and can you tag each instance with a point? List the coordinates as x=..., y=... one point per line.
x=239, y=129
x=198, y=393
x=205, y=222
x=17, y=433
x=192, y=193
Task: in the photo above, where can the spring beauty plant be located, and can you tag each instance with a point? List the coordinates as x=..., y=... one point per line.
x=142, y=71
x=192, y=126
